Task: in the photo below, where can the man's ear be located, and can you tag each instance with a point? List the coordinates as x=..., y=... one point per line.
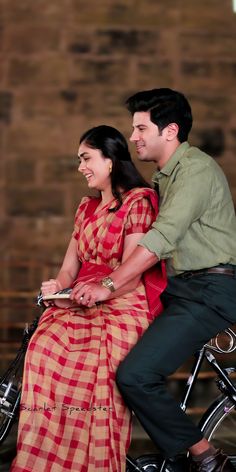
x=172, y=131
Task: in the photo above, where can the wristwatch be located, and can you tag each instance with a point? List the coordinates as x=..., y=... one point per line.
x=108, y=283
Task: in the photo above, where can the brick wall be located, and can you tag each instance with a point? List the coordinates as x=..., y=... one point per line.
x=68, y=65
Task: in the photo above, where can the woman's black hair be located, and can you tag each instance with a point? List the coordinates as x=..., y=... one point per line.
x=113, y=145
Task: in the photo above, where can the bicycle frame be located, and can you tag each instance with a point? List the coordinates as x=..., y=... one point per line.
x=224, y=383
x=222, y=373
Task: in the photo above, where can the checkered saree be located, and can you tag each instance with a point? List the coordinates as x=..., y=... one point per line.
x=73, y=417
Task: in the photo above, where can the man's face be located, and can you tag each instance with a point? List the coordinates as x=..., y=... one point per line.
x=149, y=141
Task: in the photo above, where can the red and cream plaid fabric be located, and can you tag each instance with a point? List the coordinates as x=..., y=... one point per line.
x=73, y=417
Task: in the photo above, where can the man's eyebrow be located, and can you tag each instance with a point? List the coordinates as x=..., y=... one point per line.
x=138, y=125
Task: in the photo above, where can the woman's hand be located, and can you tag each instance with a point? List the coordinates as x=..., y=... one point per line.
x=50, y=286
x=89, y=293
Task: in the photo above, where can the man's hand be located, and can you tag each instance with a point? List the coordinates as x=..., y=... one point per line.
x=89, y=293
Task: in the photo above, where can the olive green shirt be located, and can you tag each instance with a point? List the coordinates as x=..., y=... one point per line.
x=196, y=224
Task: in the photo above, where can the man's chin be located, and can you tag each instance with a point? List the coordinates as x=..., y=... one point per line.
x=140, y=153
x=142, y=157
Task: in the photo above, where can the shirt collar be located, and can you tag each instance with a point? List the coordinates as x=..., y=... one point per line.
x=172, y=162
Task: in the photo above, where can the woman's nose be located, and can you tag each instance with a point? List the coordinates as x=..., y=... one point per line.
x=81, y=166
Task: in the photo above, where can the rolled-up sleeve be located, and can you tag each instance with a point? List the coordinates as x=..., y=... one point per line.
x=184, y=202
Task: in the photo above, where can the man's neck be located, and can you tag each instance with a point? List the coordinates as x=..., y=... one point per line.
x=167, y=155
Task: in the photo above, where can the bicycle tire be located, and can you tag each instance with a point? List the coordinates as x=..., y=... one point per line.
x=218, y=425
x=147, y=463
x=154, y=463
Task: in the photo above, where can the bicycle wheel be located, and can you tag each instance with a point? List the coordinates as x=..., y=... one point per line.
x=147, y=463
x=219, y=426
x=8, y=411
x=154, y=463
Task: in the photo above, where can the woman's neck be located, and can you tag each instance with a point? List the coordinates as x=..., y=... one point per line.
x=106, y=197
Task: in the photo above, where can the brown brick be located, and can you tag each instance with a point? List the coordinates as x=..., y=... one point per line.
x=154, y=74
x=104, y=12
x=47, y=243
x=212, y=141
x=161, y=15
x=6, y=100
x=35, y=138
x=217, y=74
x=50, y=70
x=232, y=138
x=40, y=12
x=197, y=69
x=20, y=170
x=1, y=31
x=109, y=100
x=31, y=202
x=61, y=169
x=131, y=41
x=81, y=41
x=46, y=104
x=28, y=39
x=93, y=71
x=4, y=234
x=202, y=45
x=214, y=105
x=216, y=17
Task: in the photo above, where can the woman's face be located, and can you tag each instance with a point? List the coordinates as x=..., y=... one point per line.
x=95, y=168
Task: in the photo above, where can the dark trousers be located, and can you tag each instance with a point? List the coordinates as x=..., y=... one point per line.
x=196, y=309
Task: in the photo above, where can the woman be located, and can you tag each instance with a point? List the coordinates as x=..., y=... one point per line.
x=73, y=417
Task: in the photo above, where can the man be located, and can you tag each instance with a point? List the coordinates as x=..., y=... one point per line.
x=195, y=232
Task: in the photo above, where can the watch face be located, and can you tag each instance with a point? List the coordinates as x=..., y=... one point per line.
x=108, y=283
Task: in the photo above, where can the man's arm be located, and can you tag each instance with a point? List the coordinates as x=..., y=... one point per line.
x=138, y=262
x=89, y=293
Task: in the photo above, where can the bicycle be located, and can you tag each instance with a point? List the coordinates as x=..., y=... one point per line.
x=10, y=384
x=216, y=422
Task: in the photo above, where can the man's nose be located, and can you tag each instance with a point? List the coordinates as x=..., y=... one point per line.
x=134, y=136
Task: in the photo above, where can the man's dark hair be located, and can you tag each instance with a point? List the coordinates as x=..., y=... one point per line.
x=165, y=106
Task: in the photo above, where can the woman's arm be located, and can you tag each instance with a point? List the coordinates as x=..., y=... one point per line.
x=68, y=272
x=130, y=244
x=88, y=290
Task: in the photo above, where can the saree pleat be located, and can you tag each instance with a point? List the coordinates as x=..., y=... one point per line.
x=73, y=417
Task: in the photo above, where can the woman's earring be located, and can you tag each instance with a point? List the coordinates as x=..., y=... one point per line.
x=110, y=168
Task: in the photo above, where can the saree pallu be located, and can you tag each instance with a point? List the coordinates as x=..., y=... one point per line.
x=73, y=417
